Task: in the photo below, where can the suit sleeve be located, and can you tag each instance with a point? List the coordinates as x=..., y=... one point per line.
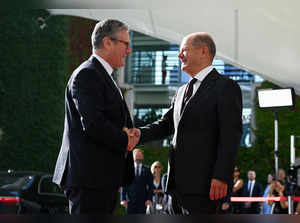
x=164, y=182
x=150, y=185
x=260, y=190
x=88, y=94
x=229, y=111
x=160, y=129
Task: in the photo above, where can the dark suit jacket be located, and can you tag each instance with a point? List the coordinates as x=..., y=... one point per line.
x=93, y=151
x=256, y=192
x=206, y=135
x=137, y=193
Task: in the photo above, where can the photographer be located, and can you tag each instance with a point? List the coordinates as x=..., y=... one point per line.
x=278, y=189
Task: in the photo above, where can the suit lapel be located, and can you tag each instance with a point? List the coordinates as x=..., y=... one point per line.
x=106, y=76
x=110, y=82
x=208, y=82
x=202, y=91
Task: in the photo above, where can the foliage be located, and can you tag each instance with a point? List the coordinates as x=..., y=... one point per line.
x=32, y=82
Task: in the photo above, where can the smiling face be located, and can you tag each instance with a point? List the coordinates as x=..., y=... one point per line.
x=189, y=57
x=194, y=56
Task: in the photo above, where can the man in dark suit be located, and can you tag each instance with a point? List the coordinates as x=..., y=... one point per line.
x=205, y=118
x=94, y=160
x=138, y=195
x=251, y=189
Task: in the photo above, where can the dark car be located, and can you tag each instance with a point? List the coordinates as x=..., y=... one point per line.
x=29, y=192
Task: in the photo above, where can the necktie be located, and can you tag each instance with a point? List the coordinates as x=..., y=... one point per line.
x=188, y=93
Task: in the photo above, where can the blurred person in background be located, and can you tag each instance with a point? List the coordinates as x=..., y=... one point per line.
x=158, y=193
x=238, y=184
x=267, y=208
x=251, y=189
x=234, y=207
x=277, y=189
x=138, y=195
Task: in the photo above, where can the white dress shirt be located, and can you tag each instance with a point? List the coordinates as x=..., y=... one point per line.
x=250, y=186
x=179, y=98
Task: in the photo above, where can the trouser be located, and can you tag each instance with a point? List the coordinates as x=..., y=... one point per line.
x=91, y=201
x=193, y=204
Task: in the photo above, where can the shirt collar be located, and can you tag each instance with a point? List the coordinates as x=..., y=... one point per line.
x=203, y=73
x=106, y=65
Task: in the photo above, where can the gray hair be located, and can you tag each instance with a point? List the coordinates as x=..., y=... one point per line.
x=205, y=39
x=107, y=27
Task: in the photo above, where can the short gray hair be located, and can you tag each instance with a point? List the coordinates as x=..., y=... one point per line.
x=108, y=27
x=205, y=39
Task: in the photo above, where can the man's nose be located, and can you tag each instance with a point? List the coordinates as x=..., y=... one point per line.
x=128, y=50
x=180, y=55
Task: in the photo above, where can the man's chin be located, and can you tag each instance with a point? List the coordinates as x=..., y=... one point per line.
x=184, y=68
x=122, y=64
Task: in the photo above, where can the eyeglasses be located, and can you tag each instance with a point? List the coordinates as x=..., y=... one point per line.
x=157, y=167
x=127, y=44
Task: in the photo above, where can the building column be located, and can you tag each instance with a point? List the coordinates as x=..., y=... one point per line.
x=126, y=89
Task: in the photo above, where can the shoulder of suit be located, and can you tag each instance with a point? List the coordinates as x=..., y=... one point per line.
x=222, y=80
x=147, y=168
x=89, y=69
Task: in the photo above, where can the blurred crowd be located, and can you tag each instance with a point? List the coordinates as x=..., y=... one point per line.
x=146, y=195
x=275, y=187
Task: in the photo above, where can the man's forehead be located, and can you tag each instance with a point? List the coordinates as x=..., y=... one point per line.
x=123, y=33
x=186, y=41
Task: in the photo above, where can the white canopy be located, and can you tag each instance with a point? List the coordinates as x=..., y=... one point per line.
x=258, y=36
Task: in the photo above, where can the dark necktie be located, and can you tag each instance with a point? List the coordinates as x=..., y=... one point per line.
x=188, y=93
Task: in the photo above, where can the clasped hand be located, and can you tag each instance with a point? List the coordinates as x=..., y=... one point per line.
x=133, y=137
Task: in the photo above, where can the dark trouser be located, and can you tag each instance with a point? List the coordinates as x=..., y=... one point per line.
x=136, y=208
x=176, y=207
x=253, y=209
x=193, y=204
x=91, y=201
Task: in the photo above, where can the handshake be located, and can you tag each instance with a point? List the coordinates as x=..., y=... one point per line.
x=133, y=137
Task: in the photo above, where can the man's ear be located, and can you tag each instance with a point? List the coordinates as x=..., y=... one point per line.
x=107, y=42
x=205, y=50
